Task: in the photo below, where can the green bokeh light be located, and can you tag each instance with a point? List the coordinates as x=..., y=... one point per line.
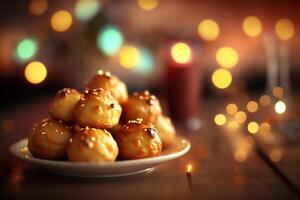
x=109, y=40
x=146, y=63
x=26, y=49
x=85, y=10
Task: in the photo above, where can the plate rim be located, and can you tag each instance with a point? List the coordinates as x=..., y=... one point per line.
x=14, y=148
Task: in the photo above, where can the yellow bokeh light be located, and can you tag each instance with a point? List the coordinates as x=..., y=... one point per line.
x=189, y=168
x=208, y=30
x=277, y=91
x=240, y=155
x=253, y=127
x=280, y=107
x=221, y=78
x=284, y=29
x=240, y=117
x=147, y=4
x=220, y=119
x=252, y=26
x=276, y=155
x=265, y=127
x=252, y=106
x=227, y=57
x=231, y=108
x=129, y=56
x=38, y=7
x=232, y=126
x=61, y=21
x=265, y=100
x=181, y=52
x=35, y=72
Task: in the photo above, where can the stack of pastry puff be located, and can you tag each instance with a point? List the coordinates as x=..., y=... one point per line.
x=102, y=124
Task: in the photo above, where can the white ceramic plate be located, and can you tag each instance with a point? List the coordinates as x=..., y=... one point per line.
x=119, y=168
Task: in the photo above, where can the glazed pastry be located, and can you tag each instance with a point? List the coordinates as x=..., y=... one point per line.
x=63, y=104
x=138, y=139
x=97, y=109
x=109, y=83
x=92, y=145
x=48, y=139
x=165, y=130
x=141, y=105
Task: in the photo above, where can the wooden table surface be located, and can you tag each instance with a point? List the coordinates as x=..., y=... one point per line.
x=216, y=174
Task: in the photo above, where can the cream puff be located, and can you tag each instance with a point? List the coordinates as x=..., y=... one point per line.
x=165, y=130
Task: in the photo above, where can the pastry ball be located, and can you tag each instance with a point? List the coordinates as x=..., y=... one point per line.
x=97, y=109
x=138, y=139
x=92, y=145
x=165, y=130
x=63, y=104
x=49, y=139
x=141, y=105
x=110, y=83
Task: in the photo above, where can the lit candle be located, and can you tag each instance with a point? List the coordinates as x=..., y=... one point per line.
x=189, y=169
x=183, y=85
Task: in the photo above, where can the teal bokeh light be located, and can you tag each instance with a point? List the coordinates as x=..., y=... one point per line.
x=26, y=49
x=146, y=63
x=85, y=10
x=109, y=39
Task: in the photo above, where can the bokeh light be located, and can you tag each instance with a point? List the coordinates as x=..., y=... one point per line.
x=253, y=127
x=38, y=7
x=276, y=155
x=85, y=10
x=231, y=108
x=277, y=92
x=232, y=125
x=252, y=106
x=220, y=119
x=8, y=125
x=208, y=30
x=265, y=100
x=181, y=52
x=227, y=57
x=109, y=40
x=147, y=5
x=61, y=21
x=129, y=56
x=284, y=29
x=280, y=107
x=240, y=155
x=252, y=26
x=26, y=49
x=35, y=72
x=265, y=127
x=146, y=61
x=240, y=117
x=221, y=78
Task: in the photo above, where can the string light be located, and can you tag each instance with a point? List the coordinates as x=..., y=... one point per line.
x=280, y=107
x=231, y=108
x=284, y=29
x=85, y=10
x=253, y=127
x=221, y=78
x=35, y=72
x=109, y=40
x=181, y=52
x=220, y=119
x=61, y=21
x=38, y=7
x=129, y=56
x=227, y=57
x=147, y=5
x=252, y=106
x=240, y=117
x=26, y=49
x=265, y=100
x=277, y=92
x=208, y=30
x=252, y=26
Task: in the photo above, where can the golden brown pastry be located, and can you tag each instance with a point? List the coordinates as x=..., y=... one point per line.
x=97, y=109
x=141, y=105
x=165, y=130
x=92, y=145
x=109, y=83
x=63, y=104
x=48, y=139
x=138, y=139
